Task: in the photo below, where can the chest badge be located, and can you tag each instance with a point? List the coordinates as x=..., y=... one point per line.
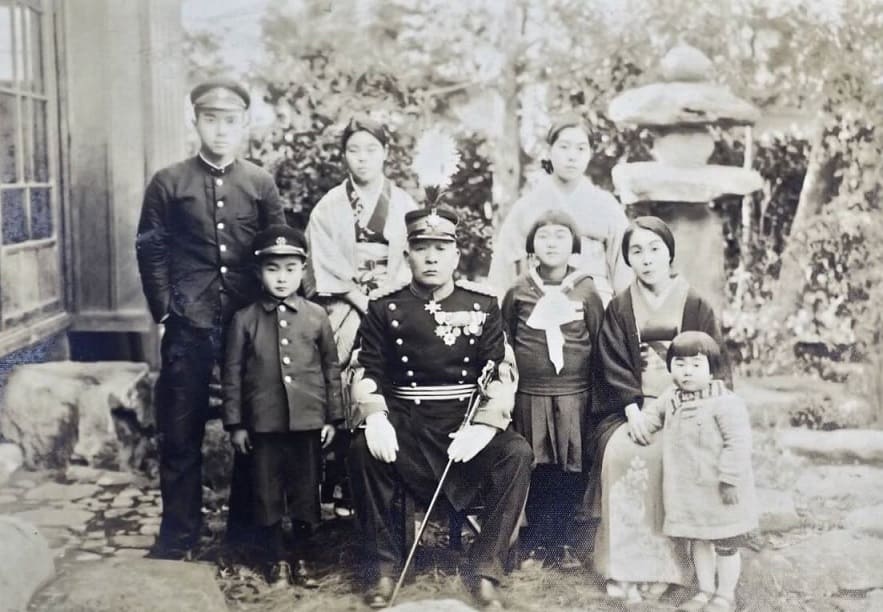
x=452, y=325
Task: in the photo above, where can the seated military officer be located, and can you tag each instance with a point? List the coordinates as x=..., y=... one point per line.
x=423, y=347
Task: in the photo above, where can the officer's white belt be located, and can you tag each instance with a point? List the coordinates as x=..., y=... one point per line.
x=434, y=392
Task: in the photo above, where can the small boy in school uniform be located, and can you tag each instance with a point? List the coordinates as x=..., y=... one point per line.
x=282, y=398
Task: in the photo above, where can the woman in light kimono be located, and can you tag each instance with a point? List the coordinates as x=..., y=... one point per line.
x=356, y=234
x=599, y=216
x=357, y=240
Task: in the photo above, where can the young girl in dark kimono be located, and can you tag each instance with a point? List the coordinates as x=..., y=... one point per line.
x=553, y=314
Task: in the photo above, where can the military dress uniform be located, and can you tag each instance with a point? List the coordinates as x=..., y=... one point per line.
x=421, y=358
x=193, y=247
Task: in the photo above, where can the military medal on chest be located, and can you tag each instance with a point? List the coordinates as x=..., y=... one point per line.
x=451, y=325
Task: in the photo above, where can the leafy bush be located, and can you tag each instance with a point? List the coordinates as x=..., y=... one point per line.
x=302, y=148
x=822, y=412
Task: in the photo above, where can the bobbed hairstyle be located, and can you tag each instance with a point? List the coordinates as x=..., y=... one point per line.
x=554, y=217
x=693, y=343
x=651, y=224
x=364, y=124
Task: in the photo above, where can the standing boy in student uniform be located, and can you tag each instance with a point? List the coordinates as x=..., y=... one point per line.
x=198, y=220
x=282, y=397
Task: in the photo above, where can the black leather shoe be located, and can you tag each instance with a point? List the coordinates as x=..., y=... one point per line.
x=568, y=561
x=487, y=594
x=303, y=575
x=379, y=595
x=280, y=575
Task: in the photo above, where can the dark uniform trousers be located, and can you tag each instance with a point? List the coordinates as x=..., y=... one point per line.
x=500, y=473
x=188, y=355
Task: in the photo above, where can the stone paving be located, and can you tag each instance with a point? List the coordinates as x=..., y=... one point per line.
x=91, y=514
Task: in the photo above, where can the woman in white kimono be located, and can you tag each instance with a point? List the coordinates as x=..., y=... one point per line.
x=356, y=234
x=357, y=240
x=600, y=217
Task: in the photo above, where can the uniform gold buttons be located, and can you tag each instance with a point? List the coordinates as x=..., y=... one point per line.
x=466, y=360
x=399, y=341
x=283, y=323
x=220, y=203
x=287, y=379
x=464, y=373
x=404, y=359
x=395, y=324
x=410, y=373
x=284, y=342
x=223, y=269
x=471, y=340
x=286, y=360
x=220, y=225
x=417, y=401
x=281, y=307
x=413, y=384
x=223, y=248
x=219, y=182
x=392, y=306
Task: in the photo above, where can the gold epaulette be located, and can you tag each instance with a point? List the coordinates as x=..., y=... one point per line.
x=476, y=287
x=383, y=292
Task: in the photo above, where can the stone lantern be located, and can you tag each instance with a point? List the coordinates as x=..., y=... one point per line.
x=680, y=185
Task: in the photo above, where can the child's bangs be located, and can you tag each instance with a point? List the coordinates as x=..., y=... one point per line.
x=693, y=343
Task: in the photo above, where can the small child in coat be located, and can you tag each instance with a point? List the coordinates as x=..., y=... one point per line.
x=282, y=397
x=708, y=482
x=553, y=314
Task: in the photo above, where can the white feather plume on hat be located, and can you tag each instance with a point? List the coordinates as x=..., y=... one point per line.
x=436, y=159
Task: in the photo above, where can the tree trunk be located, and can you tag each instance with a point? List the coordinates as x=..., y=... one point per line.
x=819, y=186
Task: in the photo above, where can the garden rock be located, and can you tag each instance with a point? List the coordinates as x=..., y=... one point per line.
x=57, y=517
x=864, y=445
x=55, y=491
x=11, y=459
x=95, y=411
x=134, y=585
x=25, y=563
x=833, y=561
x=777, y=512
x=866, y=520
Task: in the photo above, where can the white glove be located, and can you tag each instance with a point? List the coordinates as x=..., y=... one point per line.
x=381, y=437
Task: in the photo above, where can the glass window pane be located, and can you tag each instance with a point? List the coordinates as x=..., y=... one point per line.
x=6, y=75
x=15, y=220
x=40, y=142
x=35, y=44
x=19, y=41
x=8, y=129
x=41, y=213
x=25, y=109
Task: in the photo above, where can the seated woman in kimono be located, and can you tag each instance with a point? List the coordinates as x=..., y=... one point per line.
x=356, y=234
x=600, y=217
x=631, y=550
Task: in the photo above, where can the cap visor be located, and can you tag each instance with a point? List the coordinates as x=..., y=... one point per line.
x=281, y=250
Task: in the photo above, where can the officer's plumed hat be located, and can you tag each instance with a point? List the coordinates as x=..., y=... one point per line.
x=280, y=240
x=220, y=94
x=434, y=223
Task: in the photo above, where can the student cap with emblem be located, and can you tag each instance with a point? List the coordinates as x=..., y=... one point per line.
x=220, y=94
x=435, y=223
x=280, y=240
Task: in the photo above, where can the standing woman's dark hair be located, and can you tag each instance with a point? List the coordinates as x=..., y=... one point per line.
x=364, y=124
